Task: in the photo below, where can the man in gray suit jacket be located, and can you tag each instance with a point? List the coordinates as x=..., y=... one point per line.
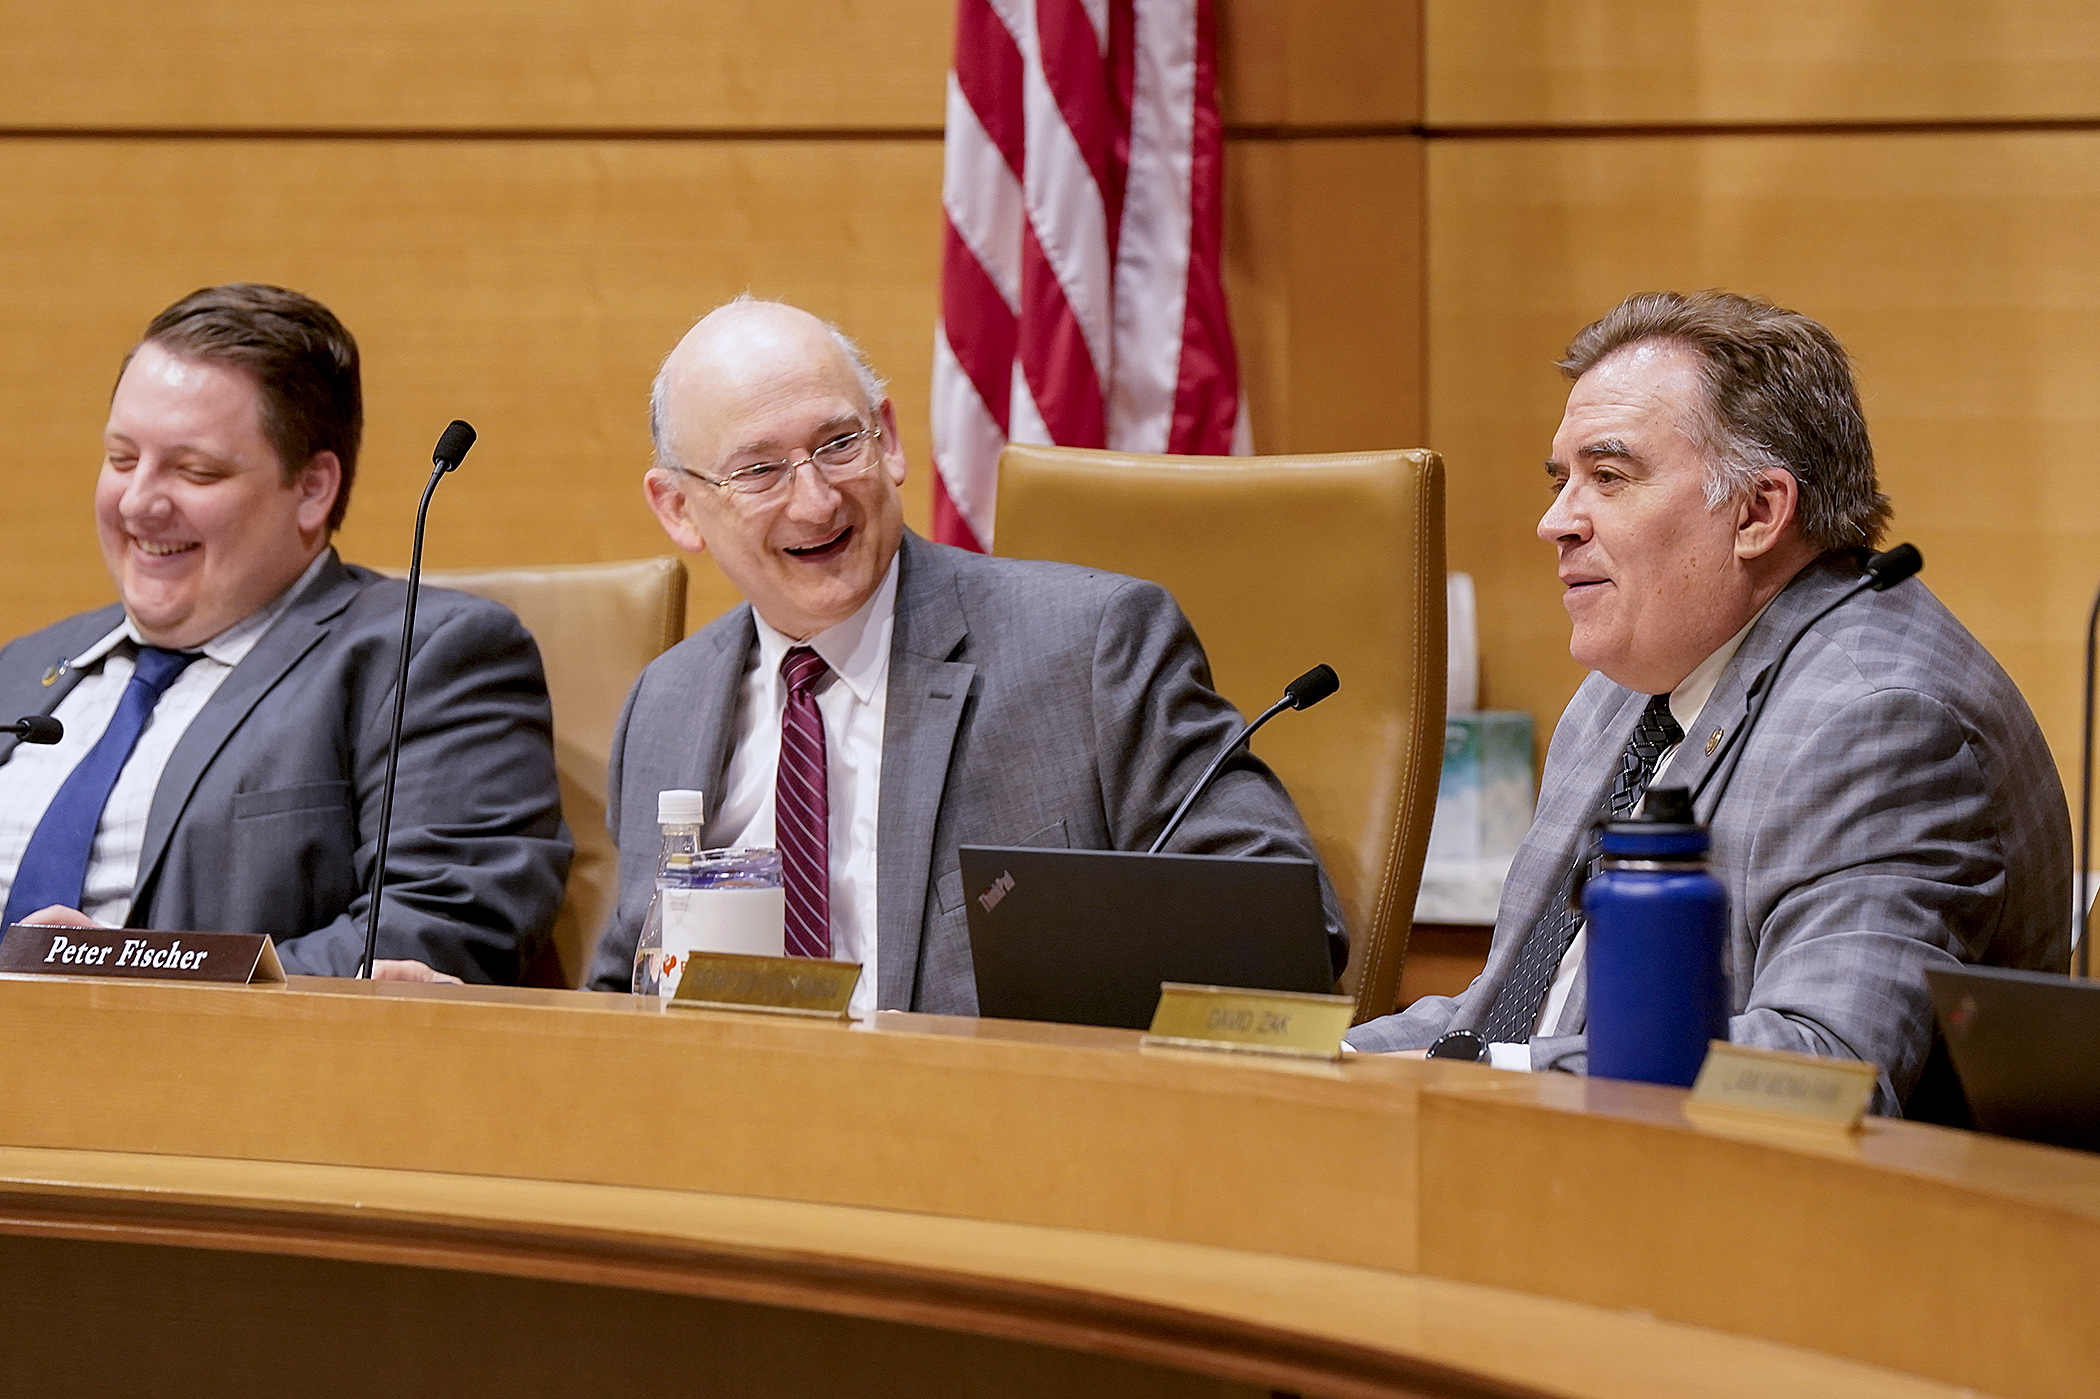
x=963, y=698
x=227, y=721
x=1896, y=807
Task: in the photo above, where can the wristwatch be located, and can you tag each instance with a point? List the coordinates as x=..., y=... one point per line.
x=1460, y=1044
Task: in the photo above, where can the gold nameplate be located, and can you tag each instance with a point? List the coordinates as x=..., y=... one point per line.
x=1738, y=1084
x=778, y=985
x=1253, y=1022
x=34, y=949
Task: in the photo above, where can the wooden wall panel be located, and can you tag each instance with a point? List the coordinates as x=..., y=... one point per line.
x=1549, y=62
x=530, y=287
x=1324, y=268
x=718, y=65
x=1289, y=63
x=327, y=64
x=1963, y=272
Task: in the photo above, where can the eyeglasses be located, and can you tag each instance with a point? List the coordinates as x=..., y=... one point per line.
x=838, y=461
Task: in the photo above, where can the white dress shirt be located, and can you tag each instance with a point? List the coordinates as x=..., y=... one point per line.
x=30, y=779
x=853, y=701
x=1687, y=702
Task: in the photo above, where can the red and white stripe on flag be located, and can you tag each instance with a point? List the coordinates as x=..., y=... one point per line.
x=1082, y=281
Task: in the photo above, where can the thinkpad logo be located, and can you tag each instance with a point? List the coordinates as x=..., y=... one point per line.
x=989, y=899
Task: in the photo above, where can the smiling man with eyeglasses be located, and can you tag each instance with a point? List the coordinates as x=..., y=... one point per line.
x=879, y=699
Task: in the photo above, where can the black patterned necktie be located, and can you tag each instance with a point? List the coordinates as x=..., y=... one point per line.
x=1516, y=1008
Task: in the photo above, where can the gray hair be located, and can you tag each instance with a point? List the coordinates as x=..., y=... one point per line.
x=872, y=386
x=1779, y=396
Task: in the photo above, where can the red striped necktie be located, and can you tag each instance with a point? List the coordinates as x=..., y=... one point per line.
x=802, y=807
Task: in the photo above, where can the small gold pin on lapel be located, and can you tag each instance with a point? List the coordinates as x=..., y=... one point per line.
x=57, y=669
x=1713, y=741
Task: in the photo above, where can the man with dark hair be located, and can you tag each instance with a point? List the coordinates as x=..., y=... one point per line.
x=1896, y=807
x=226, y=721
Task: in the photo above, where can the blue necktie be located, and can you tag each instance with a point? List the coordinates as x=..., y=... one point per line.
x=54, y=866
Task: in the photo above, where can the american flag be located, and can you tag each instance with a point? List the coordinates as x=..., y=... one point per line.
x=1082, y=285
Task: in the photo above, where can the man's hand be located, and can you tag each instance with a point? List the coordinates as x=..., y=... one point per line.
x=59, y=916
x=401, y=969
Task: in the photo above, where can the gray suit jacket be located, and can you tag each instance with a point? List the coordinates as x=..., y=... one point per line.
x=266, y=817
x=1896, y=809
x=1029, y=704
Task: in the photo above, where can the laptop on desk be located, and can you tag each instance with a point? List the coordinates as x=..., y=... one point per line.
x=2027, y=1048
x=1085, y=937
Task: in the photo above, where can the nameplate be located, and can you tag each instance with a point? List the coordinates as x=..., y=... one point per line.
x=34, y=949
x=779, y=985
x=1739, y=1083
x=1296, y=1023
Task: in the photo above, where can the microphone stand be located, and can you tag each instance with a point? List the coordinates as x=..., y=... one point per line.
x=451, y=450
x=1883, y=571
x=2082, y=962
x=1303, y=693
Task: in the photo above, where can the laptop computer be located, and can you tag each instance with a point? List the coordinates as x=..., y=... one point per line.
x=2027, y=1048
x=1085, y=937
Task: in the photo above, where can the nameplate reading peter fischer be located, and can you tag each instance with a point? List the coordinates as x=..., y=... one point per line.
x=1296, y=1023
x=32, y=949
x=778, y=985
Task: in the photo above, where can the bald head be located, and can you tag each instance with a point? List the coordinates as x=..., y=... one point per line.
x=757, y=385
x=740, y=340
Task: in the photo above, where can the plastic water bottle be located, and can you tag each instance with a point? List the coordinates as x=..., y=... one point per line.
x=680, y=814
x=1658, y=933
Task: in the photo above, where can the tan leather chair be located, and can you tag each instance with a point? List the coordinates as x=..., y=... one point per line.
x=597, y=625
x=1281, y=563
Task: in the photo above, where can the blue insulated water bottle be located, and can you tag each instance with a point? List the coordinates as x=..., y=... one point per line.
x=1658, y=928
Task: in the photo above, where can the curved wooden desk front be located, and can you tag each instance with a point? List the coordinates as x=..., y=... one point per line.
x=347, y=1189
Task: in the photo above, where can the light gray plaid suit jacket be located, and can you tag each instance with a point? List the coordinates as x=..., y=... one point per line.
x=1029, y=704
x=1896, y=809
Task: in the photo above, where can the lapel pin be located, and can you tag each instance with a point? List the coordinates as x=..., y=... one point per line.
x=1713, y=741
x=57, y=669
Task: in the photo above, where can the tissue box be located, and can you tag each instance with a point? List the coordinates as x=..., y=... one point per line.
x=1485, y=796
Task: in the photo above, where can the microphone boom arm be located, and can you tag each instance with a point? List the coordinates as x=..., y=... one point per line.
x=451, y=450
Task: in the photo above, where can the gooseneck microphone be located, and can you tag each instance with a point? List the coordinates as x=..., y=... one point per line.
x=1883, y=572
x=1303, y=693
x=2082, y=964
x=35, y=728
x=451, y=450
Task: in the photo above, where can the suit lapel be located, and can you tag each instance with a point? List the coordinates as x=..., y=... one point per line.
x=42, y=698
x=1597, y=725
x=927, y=692
x=715, y=682
x=288, y=641
x=1725, y=708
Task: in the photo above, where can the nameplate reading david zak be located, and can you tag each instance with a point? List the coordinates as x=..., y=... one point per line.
x=35, y=949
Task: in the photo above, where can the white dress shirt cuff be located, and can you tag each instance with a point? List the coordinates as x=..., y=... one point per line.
x=1510, y=1056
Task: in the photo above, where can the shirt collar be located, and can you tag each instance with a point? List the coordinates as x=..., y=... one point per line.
x=1696, y=689
x=857, y=649
x=230, y=646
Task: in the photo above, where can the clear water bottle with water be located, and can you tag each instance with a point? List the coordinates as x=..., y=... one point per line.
x=680, y=814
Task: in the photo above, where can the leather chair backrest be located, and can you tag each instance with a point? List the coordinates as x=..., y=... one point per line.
x=1281, y=563
x=597, y=625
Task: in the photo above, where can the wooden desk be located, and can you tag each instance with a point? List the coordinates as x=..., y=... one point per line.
x=404, y=1190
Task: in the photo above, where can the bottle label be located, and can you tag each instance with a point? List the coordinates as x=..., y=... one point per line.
x=751, y=921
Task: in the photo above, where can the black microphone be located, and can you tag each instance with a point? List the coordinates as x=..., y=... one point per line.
x=35, y=728
x=1882, y=572
x=451, y=451
x=2084, y=962
x=1303, y=693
